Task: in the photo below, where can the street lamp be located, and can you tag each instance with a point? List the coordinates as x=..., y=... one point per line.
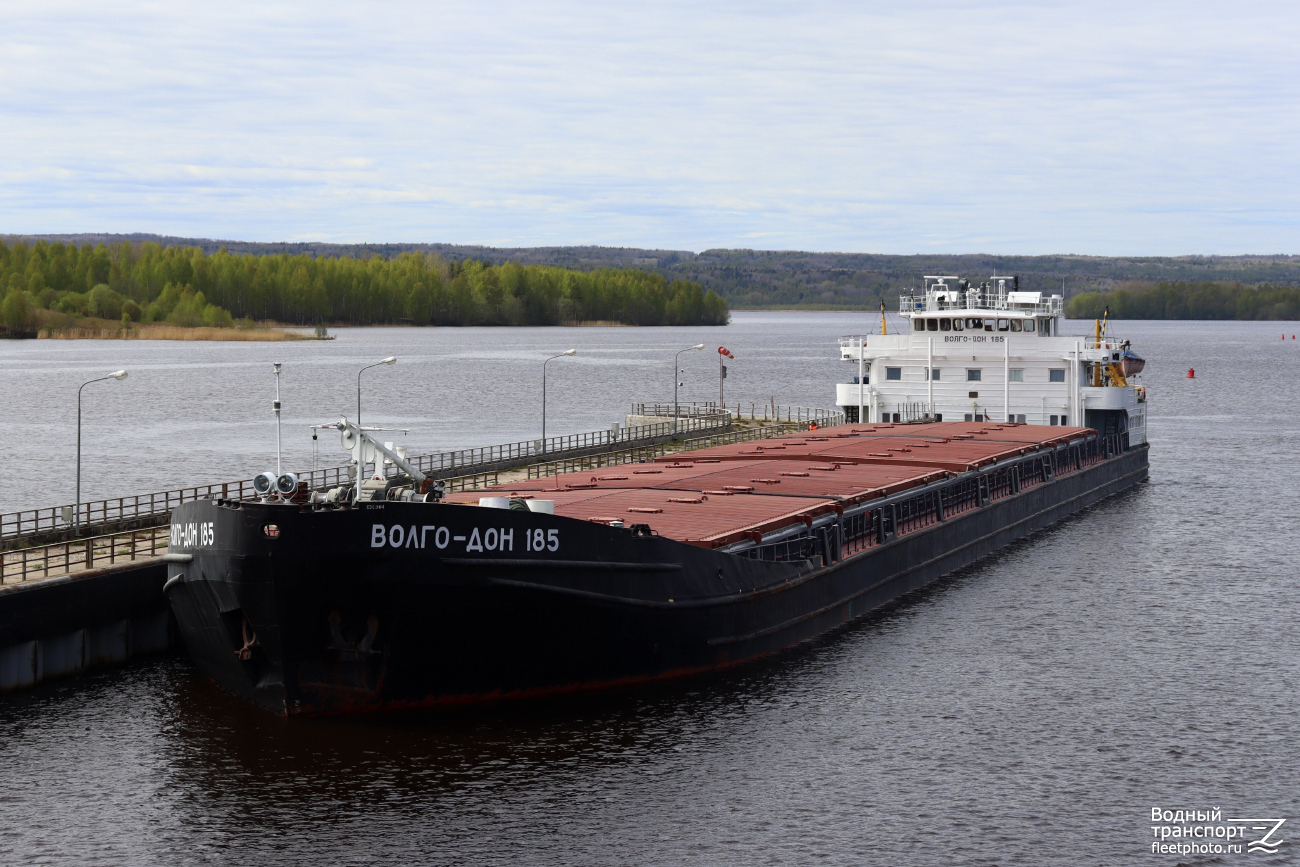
x=676, y=371
x=544, y=363
x=117, y=374
x=392, y=359
x=276, y=365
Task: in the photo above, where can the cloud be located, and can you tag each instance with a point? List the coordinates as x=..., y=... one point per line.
x=1098, y=128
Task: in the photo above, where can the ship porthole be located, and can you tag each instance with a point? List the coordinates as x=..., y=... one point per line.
x=271, y=531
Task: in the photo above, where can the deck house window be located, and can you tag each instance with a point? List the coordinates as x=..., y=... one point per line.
x=1016, y=375
x=932, y=324
x=1045, y=327
x=1015, y=324
x=893, y=373
x=1056, y=376
x=934, y=374
x=945, y=325
x=974, y=324
x=1003, y=325
x=974, y=375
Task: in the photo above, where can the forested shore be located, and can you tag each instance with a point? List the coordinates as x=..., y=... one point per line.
x=786, y=279
x=1189, y=300
x=147, y=282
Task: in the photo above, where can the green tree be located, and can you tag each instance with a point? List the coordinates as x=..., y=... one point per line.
x=16, y=312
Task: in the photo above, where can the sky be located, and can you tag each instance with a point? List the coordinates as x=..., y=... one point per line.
x=1129, y=128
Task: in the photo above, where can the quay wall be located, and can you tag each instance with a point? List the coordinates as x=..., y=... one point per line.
x=59, y=627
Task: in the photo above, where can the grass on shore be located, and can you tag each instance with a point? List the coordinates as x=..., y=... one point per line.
x=86, y=328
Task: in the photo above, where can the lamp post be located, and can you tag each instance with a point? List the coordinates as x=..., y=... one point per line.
x=392, y=359
x=544, y=363
x=676, y=371
x=117, y=374
x=276, y=406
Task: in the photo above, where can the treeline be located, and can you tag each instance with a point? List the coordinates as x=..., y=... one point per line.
x=1189, y=300
x=184, y=285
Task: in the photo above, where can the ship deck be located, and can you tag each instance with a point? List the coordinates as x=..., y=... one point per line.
x=713, y=497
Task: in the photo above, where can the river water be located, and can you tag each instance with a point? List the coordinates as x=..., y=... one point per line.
x=1029, y=710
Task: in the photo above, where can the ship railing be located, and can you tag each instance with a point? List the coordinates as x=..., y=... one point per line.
x=976, y=304
x=788, y=551
x=75, y=555
x=859, y=530
x=912, y=413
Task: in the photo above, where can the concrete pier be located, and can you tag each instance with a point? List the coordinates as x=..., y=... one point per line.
x=58, y=627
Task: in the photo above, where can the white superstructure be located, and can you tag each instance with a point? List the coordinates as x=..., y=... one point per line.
x=989, y=352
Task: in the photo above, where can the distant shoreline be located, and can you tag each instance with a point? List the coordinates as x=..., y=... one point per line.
x=107, y=330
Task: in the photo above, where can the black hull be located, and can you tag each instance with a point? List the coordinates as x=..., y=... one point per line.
x=320, y=620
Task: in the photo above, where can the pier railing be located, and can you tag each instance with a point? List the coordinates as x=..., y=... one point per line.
x=147, y=510
x=75, y=555
x=56, y=523
x=531, y=451
x=753, y=411
x=34, y=526
x=646, y=453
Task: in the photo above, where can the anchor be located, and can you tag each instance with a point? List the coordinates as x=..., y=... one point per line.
x=347, y=650
x=245, y=653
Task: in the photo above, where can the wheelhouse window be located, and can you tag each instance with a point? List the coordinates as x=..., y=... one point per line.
x=1003, y=325
x=893, y=373
x=974, y=324
x=1056, y=376
x=932, y=325
x=945, y=325
x=1015, y=375
x=957, y=324
x=1015, y=324
x=973, y=375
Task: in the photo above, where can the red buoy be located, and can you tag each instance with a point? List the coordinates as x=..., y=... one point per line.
x=1191, y=373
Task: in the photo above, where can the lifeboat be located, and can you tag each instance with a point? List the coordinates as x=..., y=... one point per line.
x=1130, y=363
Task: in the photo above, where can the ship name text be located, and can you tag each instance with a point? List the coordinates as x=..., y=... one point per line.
x=489, y=539
x=192, y=535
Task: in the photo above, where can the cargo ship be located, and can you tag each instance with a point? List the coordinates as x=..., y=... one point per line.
x=386, y=593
